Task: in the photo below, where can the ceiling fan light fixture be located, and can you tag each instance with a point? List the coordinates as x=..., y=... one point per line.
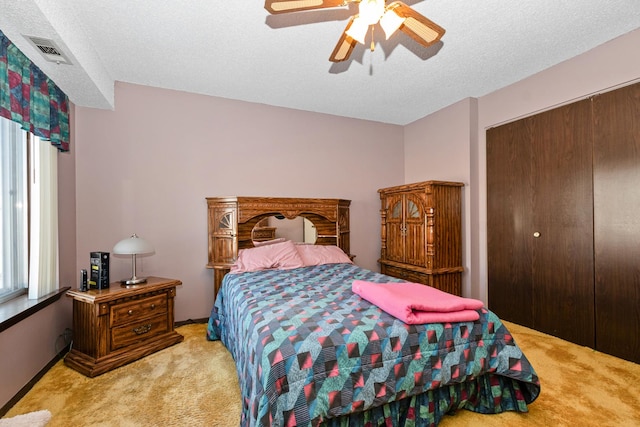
x=390, y=22
x=358, y=29
x=392, y=17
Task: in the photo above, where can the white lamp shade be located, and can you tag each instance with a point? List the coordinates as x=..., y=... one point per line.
x=358, y=30
x=371, y=10
x=390, y=22
x=133, y=245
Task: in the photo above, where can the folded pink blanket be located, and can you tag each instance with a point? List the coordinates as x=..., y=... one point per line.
x=417, y=303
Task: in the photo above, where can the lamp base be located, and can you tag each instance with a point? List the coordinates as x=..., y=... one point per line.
x=126, y=283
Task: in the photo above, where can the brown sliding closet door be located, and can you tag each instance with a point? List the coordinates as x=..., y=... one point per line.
x=617, y=222
x=540, y=222
x=509, y=207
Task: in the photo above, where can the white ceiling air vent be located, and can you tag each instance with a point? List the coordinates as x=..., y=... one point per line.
x=49, y=50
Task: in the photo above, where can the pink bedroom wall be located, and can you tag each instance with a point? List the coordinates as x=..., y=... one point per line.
x=147, y=166
x=442, y=153
x=28, y=346
x=612, y=64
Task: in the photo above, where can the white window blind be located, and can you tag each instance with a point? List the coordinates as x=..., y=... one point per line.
x=14, y=210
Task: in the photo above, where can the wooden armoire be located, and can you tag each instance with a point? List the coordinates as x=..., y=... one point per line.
x=563, y=229
x=422, y=234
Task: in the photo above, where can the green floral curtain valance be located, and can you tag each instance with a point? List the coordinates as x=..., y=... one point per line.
x=29, y=97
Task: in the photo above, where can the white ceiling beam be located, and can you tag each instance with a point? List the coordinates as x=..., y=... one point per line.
x=85, y=81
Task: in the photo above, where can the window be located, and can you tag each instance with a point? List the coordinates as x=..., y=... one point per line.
x=14, y=204
x=29, y=211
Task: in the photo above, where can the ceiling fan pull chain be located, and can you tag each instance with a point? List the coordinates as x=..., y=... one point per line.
x=372, y=43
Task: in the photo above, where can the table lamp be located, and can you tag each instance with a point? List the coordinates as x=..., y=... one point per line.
x=133, y=246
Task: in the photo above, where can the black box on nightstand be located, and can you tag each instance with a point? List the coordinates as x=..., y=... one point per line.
x=99, y=276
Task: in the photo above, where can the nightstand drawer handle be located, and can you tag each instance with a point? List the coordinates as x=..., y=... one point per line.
x=153, y=306
x=130, y=312
x=142, y=329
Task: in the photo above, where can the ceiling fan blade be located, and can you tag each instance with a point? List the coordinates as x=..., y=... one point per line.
x=345, y=45
x=283, y=6
x=417, y=26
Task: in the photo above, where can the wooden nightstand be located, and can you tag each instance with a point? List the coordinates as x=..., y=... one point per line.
x=115, y=326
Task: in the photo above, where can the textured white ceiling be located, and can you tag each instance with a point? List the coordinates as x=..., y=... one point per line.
x=235, y=49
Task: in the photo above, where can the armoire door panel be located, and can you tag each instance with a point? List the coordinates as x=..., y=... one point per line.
x=617, y=222
x=395, y=250
x=414, y=226
x=508, y=221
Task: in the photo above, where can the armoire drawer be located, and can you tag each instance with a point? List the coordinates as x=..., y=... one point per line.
x=449, y=281
x=408, y=275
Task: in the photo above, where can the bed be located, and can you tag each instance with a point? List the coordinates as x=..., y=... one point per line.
x=309, y=351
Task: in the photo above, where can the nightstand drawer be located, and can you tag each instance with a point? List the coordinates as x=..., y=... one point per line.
x=123, y=336
x=137, y=309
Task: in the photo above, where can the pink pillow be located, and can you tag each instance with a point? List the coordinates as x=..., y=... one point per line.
x=269, y=242
x=282, y=255
x=322, y=254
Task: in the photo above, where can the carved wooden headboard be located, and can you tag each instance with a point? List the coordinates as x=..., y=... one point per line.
x=231, y=221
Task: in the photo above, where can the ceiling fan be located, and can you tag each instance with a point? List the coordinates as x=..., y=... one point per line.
x=393, y=16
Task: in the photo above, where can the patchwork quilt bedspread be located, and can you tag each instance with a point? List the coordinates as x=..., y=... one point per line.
x=309, y=351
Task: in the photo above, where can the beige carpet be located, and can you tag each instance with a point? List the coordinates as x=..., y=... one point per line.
x=194, y=384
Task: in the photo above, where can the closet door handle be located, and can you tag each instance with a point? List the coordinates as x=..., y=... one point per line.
x=536, y=234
